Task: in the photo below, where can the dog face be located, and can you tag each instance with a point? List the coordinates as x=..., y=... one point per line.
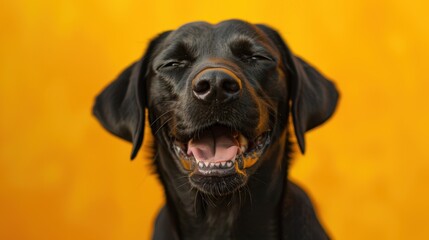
x=219, y=87
x=218, y=98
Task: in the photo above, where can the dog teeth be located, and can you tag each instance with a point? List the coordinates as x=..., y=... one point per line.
x=243, y=149
x=243, y=140
x=218, y=165
x=177, y=148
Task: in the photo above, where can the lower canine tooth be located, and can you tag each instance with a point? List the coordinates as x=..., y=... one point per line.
x=201, y=165
x=243, y=149
x=243, y=140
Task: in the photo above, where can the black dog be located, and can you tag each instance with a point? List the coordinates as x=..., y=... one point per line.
x=219, y=99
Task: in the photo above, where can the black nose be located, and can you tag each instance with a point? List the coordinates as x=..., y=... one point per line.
x=216, y=84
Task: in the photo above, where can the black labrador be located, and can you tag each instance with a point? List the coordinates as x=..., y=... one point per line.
x=220, y=99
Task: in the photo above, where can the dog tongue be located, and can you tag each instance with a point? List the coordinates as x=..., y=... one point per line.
x=216, y=144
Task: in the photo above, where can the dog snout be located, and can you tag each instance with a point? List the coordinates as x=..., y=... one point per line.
x=216, y=85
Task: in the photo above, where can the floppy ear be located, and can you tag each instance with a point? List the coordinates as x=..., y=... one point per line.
x=313, y=96
x=120, y=107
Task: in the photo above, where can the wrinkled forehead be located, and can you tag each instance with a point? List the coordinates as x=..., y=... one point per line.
x=225, y=29
x=202, y=36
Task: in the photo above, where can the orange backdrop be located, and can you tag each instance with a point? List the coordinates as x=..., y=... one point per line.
x=63, y=177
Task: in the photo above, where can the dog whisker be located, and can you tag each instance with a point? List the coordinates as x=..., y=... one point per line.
x=158, y=118
x=250, y=195
x=156, y=132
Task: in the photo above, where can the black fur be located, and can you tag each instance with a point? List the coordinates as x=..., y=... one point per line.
x=259, y=202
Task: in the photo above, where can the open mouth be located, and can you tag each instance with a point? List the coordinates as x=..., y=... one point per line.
x=220, y=151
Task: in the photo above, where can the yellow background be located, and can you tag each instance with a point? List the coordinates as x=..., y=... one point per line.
x=63, y=177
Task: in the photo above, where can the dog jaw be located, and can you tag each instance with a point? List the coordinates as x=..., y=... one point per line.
x=217, y=161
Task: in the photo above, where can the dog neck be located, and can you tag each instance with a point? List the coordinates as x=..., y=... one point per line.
x=197, y=214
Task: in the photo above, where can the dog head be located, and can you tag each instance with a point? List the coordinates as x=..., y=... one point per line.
x=218, y=97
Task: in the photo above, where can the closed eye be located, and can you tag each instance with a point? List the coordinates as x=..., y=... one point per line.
x=172, y=64
x=256, y=58
x=260, y=57
x=249, y=51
